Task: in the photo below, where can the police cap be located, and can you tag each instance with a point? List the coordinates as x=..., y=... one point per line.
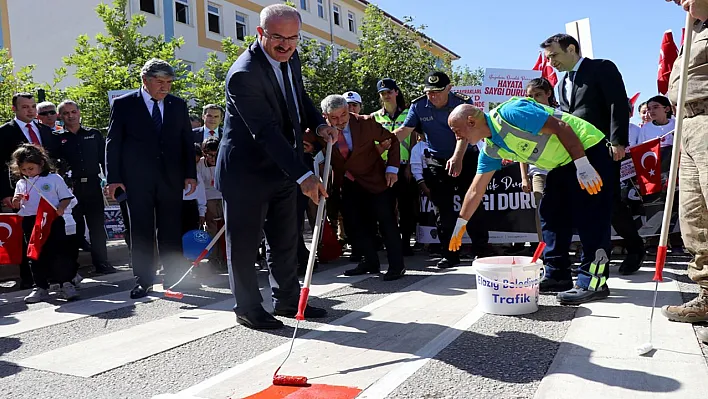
x=386, y=84
x=436, y=81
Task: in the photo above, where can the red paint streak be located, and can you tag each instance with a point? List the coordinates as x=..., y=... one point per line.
x=315, y=391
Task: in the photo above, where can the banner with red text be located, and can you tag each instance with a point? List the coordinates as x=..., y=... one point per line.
x=475, y=93
x=502, y=84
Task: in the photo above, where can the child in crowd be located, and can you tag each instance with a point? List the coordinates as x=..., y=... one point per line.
x=34, y=169
x=214, y=202
x=194, y=205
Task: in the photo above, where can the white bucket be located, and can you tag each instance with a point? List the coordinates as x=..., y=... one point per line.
x=508, y=289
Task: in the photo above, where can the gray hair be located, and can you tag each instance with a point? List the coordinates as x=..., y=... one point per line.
x=65, y=103
x=45, y=104
x=332, y=102
x=276, y=11
x=156, y=67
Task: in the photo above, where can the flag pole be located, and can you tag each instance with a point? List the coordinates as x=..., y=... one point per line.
x=39, y=192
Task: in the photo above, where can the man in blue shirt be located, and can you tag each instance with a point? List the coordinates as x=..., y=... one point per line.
x=576, y=154
x=451, y=163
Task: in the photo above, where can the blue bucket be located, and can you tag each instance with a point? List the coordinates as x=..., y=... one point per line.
x=194, y=242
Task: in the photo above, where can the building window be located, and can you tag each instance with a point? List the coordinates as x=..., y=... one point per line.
x=352, y=22
x=148, y=6
x=304, y=4
x=241, y=26
x=214, y=18
x=320, y=9
x=182, y=11
x=337, y=15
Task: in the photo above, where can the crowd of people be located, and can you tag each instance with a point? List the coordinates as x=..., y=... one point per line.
x=258, y=174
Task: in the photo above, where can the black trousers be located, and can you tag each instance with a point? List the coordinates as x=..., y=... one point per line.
x=90, y=208
x=622, y=219
x=407, y=198
x=126, y=221
x=190, y=215
x=55, y=262
x=153, y=209
x=250, y=210
x=447, y=193
x=361, y=210
x=303, y=253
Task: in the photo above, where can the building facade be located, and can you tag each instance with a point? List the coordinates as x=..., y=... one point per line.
x=41, y=32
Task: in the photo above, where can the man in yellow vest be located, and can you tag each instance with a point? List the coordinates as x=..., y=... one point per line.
x=578, y=160
x=391, y=116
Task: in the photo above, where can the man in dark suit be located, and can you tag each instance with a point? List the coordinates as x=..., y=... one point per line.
x=20, y=130
x=150, y=156
x=260, y=163
x=594, y=91
x=366, y=181
x=212, y=115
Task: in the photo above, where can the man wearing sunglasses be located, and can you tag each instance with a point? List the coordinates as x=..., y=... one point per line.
x=47, y=114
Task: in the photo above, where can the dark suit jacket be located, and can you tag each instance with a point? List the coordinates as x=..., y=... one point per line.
x=11, y=137
x=364, y=161
x=256, y=146
x=199, y=134
x=599, y=97
x=136, y=153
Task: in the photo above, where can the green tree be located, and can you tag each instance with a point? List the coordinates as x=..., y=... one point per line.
x=112, y=61
x=12, y=82
x=464, y=76
x=387, y=49
x=323, y=75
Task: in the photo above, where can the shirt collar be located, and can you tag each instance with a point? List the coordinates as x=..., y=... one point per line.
x=23, y=124
x=577, y=64
x=147, y=97
x=272, y=62
x=216, y=131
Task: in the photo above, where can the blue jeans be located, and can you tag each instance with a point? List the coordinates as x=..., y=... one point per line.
x=566, y=206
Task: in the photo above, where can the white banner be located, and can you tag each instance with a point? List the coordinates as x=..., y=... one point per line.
x=502, y=84
x=116, y=93
x=475, y=92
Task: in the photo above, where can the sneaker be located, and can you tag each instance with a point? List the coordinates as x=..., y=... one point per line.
x=693, y=311
x=37, y=295
x=68, y=291
x=77, y=281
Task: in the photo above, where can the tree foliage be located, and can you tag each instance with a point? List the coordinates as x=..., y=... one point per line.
x=324, y=75
x=112, y=61
x=12, y=82
x=464, y=76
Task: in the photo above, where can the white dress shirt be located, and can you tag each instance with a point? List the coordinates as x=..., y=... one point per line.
x=569, y=83
x=35, y=128
x=149, y=103
x=217, y=133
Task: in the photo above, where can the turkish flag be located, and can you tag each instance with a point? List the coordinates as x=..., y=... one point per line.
x=42, y=227
x=546, y=69
x=647, y=164
x=667, y=56
x=633, y=101
x=10, y=240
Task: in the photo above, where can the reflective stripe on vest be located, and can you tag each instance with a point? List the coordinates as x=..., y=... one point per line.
x=543, y=150
x=384, y=120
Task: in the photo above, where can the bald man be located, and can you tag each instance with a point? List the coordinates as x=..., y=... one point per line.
x=578, y=160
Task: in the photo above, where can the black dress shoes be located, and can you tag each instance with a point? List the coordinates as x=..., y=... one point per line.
x=105, y=268
x=362, y=268
x=578, y=296
x=394, y=274
x=448, y=263
x=140, y=292
x=631, y=263
x=311, y=312
x=259, y=320
x=553, y=285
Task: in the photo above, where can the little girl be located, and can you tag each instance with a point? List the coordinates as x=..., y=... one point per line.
x=32, y=166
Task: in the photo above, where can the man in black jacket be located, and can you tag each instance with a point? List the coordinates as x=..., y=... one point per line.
x=593, y=90
x=150, y=156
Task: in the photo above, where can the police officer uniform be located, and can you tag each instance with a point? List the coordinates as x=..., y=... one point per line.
x=447, y=192
x=83, y=152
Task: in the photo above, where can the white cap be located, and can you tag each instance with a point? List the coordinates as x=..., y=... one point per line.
x=352, y=97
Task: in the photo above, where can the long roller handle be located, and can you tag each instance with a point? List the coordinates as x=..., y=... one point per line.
x=305, y=291
x=675, y=152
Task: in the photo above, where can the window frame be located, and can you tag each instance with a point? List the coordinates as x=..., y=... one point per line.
x=188, y=14
x=321, y=12
x=218, y=15
x=337, y=14
x=154, y=6
x=307, y=5
x=244, y=23
x=351, y=22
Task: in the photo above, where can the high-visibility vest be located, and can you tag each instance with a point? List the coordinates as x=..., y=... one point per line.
x=382, y=118
x=544, y=150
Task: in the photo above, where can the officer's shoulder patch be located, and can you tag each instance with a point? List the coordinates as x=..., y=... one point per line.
x=463, y=97
x=415, y=100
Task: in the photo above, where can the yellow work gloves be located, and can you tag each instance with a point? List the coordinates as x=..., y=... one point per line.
x=456, y=239
x=588, y=177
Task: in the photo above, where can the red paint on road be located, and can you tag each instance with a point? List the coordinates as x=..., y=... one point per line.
x=315, y=391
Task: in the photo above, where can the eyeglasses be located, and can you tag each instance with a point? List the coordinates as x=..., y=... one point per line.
x=281, y=39
x=45, y=113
